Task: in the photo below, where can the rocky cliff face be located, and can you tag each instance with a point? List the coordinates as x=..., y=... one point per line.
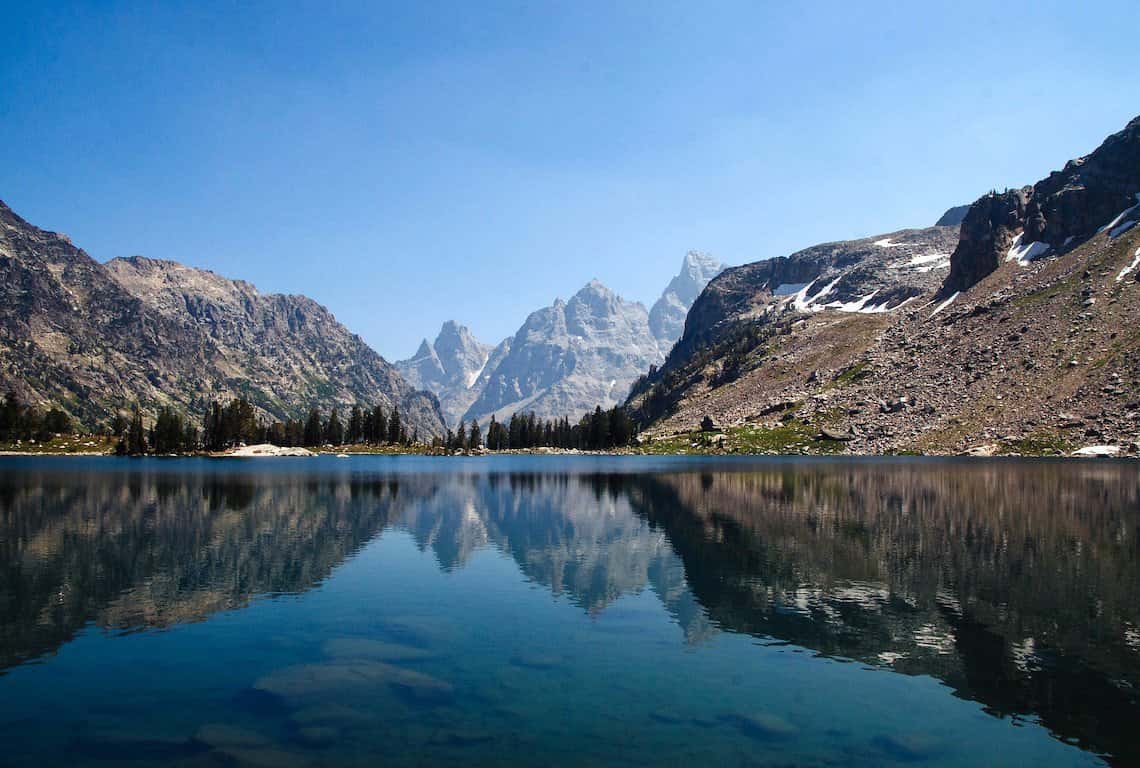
x=667, y=316
x=452, y=368
x=94, y=338
x=1094, y=193
x=571, y=356
x=868, y=276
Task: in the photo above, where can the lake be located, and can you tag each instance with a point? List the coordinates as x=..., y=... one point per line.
x=589, y=610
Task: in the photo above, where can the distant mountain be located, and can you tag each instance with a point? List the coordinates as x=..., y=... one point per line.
x=571, y=356
x=566, y=358
x=452, y=367
x=94, y=338
x=667, y=316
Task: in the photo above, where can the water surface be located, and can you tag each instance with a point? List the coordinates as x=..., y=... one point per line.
x=569, y=611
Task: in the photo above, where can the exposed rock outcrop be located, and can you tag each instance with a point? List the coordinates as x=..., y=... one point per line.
x=1097, y=192
x=452, y=367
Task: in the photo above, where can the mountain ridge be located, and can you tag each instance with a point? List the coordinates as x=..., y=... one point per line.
x=94, y=338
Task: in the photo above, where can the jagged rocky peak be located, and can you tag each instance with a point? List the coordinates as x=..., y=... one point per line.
x=667, y=316
x=450, y=367
x=1092, y=194
x=570, y=356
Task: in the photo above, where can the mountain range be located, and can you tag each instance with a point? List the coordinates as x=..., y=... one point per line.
x=95, y=338
x=1009, y=328
x=565, y=359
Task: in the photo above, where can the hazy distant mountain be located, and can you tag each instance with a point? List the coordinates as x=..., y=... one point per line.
x=452, y=368
x=667, y=317
x=566, y=358
x=571, y=356
x=94, y=338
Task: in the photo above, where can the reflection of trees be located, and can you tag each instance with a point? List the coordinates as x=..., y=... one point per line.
x=1016, y=584
x=146, y=550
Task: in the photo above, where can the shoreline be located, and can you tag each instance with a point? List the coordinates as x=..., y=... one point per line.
x=291, y=454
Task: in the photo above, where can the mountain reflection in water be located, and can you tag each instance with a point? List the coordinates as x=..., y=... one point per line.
x=1016, y=584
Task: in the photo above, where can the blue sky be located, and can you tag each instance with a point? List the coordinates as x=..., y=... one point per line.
x=409, y=163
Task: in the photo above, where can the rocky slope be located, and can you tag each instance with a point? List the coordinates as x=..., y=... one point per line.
x=93, y=338
x=1037, y=354
x=452, y=367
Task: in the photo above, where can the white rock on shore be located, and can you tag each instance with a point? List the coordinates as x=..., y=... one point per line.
x=265, y=449
x=1098, y=450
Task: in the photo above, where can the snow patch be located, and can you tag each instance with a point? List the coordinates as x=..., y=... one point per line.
x=851, y=306
x=1135, y=263
x=474, y=375
x=1112, y=225
x=886, y=243
x=1120, y=229
x=802, y=302
x=1023, y=254
x=1098, y=450
x=945, y=304
x=927, y=258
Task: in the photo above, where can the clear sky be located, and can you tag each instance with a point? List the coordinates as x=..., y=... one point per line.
x=406, y=163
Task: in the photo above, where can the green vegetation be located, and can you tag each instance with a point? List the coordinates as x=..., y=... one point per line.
x=61, y=445
x=1041, y=443
x=855, y=373
x=791, y=437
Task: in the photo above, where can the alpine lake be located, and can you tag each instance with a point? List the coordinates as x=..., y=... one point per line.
x=569, y=610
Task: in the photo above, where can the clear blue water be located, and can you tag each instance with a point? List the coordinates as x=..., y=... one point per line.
x=568, y=611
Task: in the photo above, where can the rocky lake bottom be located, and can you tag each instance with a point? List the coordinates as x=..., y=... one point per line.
x=556, y=610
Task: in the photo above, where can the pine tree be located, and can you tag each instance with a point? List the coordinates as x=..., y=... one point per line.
x=475, y=438
x=395, y=429
x=312, y=435
x=355, y=433
x=334, y=430
x=460, y=441
x=136, y=434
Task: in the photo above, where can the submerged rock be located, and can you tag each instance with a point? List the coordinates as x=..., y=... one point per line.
x=909, y=746
x=221, y=735
x=264, y=758
x=318, y=736
x=151, y=750
x=763, y=725
x=302, y=681
x=377, y=650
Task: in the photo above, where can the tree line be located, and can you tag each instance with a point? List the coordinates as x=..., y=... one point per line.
x=235, y=423
x=21, y=421
x=596, y=431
